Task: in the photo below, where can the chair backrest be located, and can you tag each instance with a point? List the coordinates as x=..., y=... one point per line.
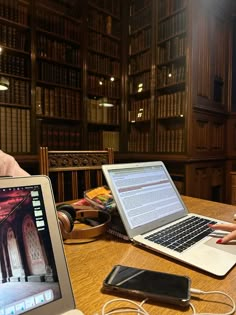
x=73, y=172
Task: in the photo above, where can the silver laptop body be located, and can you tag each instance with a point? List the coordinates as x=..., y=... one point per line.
x=148, y=202
x=33, y=270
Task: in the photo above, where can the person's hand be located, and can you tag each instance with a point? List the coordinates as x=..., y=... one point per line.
x=228, y=227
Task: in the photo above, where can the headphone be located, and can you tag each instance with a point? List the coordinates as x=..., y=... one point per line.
x=68, y=219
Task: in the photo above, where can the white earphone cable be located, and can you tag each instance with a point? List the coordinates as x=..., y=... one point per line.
x=137, y=309
x=196, y=291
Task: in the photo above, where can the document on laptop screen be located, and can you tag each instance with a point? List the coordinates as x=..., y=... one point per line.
x=145, y=193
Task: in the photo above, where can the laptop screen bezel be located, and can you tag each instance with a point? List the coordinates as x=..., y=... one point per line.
x=66, y=302
x=132, y=232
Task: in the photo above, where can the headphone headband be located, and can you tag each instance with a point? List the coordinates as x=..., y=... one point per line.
x=97, y=219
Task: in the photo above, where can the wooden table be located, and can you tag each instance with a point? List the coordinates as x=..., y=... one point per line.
x=90, y=263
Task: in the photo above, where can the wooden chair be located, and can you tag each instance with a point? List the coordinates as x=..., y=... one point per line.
x=73, y=172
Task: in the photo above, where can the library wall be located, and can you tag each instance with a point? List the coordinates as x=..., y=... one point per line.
x=159, y=92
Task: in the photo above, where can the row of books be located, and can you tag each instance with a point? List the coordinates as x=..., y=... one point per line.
x=15, y=65
x=172, y=49
x=100, y=86
x=13, y=37
x=172, y=74
x=103, y=64
x=101, y=22
x=15, y=132
x=140, y=62
x=57, y=137
x=57, y=50
x=140, y=110
x=103, y=139
x=138, y=140
x=58, y=102
x=140, y=20
x=101, y=114
x=140, y=41
x=137, y=6
x=171, y=105
x=59, y=74
x=58, y=24
x=171, y=141
x=168, y=7
x=171, y=27
x=140, y=83
x=18, y=93
x=103, y=44
x=112, y=6
x=15, y=11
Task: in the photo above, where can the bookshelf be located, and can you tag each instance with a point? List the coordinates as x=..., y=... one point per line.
x=103, y=74
x=174, y=49
x=139, y=71
x=58, y=75
x=15, y=102
x=171, y=47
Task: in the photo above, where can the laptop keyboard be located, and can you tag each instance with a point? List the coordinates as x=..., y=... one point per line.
x=182, y=235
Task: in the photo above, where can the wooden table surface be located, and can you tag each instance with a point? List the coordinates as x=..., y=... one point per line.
x=90, y=263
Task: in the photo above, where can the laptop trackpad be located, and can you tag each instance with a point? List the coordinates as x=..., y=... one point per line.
x=230, y=247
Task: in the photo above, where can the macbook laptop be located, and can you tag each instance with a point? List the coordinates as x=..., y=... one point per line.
x=155, y=217
x=34, y=277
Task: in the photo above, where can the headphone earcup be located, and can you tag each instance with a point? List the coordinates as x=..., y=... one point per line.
x=68, y=208
x=66, y=222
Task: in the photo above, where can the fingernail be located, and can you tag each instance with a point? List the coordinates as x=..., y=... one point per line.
x=219, y=241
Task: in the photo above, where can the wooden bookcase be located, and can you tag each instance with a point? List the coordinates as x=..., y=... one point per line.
x=58, y=65
x=171, y=77
x=140, y=61
x=103, y=74
x=15, y=66
x=181, y=60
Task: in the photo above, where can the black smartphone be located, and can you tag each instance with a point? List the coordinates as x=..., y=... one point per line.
x=159, y=286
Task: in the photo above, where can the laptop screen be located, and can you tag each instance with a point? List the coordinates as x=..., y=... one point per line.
x=28, y=275
x=144, y=193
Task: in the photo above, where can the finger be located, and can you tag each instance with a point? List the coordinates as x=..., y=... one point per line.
x=224, y=227
x=229, y=237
